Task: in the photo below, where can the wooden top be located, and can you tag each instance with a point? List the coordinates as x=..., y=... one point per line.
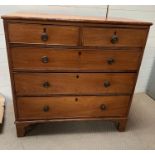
x=70, y=18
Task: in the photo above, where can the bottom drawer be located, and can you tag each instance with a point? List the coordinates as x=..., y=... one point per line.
x=30, y=108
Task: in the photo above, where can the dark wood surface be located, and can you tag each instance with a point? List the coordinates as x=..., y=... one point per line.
x=29, y=58
x=72, y=54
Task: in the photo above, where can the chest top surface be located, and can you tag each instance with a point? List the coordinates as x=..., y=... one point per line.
x=71, y=18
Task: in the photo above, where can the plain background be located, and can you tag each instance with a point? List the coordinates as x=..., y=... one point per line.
x=146, y=13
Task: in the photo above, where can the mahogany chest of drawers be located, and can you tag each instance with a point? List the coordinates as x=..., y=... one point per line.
x=67, y=68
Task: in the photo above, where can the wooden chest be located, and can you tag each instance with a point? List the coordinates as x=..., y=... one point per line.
x=72, y=68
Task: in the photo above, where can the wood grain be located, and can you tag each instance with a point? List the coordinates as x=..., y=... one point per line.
x=73, y=83
x=77, y=79
x=31, y=33
x=29, y=58
x=70, y=18
x=70, y=107
x=102, y=37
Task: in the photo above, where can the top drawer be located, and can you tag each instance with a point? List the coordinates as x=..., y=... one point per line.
x=43, y=34
x=116, y=37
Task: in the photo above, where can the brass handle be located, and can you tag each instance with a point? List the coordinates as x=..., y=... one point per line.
x=44, y=35
x=46, y=84
x=110, y=61
x=46, y=108
x=44, y=59
x=114, y=39
x=103, y=107
x=106, y=83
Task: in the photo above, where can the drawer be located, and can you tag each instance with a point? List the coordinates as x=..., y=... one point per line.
x=73, y=83
x=43, y=34
x=29, y=58
x=71, y=107
x=114, y=37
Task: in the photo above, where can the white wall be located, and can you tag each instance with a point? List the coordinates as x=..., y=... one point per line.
x=146, y=13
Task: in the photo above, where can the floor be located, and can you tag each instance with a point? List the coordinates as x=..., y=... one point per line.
x=140, y=133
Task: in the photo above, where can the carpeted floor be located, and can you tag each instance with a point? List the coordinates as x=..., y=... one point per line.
x=140, y=133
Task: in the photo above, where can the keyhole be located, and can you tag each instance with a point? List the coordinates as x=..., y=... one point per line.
x=44, y=30
x=76, y=99
x=79, y=53
x=115, y=33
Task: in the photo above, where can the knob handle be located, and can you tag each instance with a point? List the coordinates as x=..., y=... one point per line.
x=44, y=35
x=103, y=107
x=46, y=108
x=46, y=84
x=106, y=83
x=44, y=59
x=114, y=39
x=110, y=61
x=77, y=76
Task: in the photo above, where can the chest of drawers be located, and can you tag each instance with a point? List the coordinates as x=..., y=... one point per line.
x=66, y=68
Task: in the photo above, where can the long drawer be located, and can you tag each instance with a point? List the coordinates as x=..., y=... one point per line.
x=43, y=34
x=31, y=58
x=71, y=107
x=73, y=83
x=114, y=37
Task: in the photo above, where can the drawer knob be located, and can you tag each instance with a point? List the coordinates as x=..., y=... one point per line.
x=110, y=61
x=106, y=83
x=46, y=108
x=114, y=39
x=46, y=84
x=102, y=107
x=44, y=35
x=77, y=76
x=44, y=59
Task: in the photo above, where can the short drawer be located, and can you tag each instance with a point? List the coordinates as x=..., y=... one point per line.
x=29, y=58
x=73, y=83
x=114, y=37
x=43, y=34
x=30, y=108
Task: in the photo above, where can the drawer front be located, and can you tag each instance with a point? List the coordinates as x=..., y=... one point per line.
x=114, y=37
x=43, y=34
x=71, y=107
x=73, y=83
x=74, y=60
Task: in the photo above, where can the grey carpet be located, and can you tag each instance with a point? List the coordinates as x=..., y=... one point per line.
x=140, y=133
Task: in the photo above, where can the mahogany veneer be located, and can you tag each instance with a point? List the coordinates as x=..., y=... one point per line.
x=67, y=68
